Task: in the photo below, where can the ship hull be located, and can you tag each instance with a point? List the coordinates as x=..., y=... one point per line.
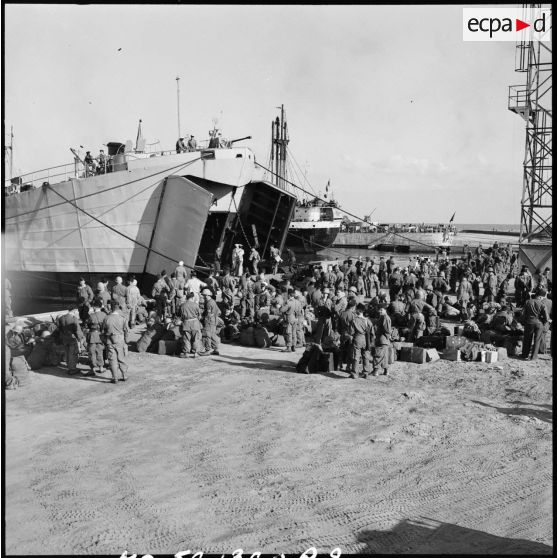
x=310, y=240
x=399, y=242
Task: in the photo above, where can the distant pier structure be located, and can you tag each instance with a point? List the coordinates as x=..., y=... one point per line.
x=533, y=102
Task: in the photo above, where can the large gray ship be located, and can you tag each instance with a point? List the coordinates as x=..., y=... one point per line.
x=410, y=237
x=140, y=214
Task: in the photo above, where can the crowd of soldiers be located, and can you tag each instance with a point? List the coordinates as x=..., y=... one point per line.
x=354, y=309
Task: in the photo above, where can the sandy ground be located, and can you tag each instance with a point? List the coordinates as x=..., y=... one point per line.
x=238, y=451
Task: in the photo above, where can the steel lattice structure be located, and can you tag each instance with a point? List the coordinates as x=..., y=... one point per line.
x=533, y=102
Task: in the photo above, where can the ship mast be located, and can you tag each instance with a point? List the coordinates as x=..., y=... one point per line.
x=279, y=142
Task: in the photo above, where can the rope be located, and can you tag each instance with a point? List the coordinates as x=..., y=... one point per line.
x=114, y=230
x=296, y=162
x=183, y=165
x=240, y=222
x=308, y=193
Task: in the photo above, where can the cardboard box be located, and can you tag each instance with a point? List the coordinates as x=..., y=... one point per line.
x=502, y=353
x=491, y=356
x=432, y=355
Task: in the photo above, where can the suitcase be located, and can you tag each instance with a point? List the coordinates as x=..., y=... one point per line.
x=413, y=354
x=451, y=354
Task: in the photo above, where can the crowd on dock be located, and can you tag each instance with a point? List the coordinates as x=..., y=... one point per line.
x=346, y=315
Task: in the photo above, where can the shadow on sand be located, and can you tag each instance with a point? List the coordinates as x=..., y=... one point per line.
x=61, y=372
x=278, y=365
x=542, y=414
x=428, y=536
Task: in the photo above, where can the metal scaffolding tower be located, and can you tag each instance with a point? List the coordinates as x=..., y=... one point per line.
x=533, y=102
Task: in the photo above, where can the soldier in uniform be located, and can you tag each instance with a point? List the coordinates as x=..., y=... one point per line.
x=102, y=293
x=255, y=260
x=133, y=298
x=95, y=345
x=115, y=329
x=84, y=298
x=300, y=340
x=190, y=315
x=490, y=286
x=290, y=318
x=181, y=274
x=362, y=339
x=247, y=301
x=383, y=343
x=210, y=315
x=119, y=294
x=344, y=324
x=71, y=336
x=192, y=143
x=228, y=287
x=161, y=291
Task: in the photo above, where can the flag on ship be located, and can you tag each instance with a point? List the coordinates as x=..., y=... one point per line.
x=451, y=220
x=327, y=189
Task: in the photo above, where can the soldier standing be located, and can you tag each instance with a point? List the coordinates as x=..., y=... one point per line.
x=72, y=336
x=115, y=329
x=182, y=275
x=119, y=294
x=344, y=327
x=133, y=298
x=161, y=292
x=102, y=294
x=300, y=300
x=362, y=339
x=289, y=313
x=210, y=315
x=95, y=345
x=190, y=314
x=84, y=298
x=254, y=259
x=383, y=342
x=275, y=258
x=228, y=286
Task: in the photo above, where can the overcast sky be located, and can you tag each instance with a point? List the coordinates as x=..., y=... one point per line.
x=388, y=102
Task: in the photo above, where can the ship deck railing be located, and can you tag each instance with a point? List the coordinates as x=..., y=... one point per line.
x=76, y=169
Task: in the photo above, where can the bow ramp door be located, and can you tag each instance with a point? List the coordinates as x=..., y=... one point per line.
x=180, y=221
